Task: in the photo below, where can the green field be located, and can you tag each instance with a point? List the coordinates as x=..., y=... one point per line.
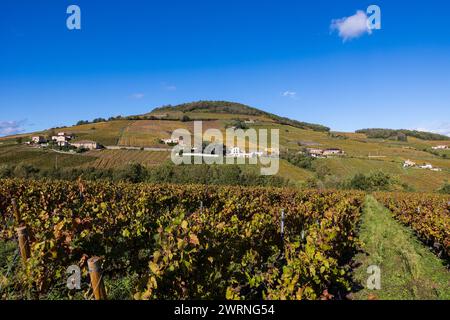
x=408, y=270
x=43, y=159
x=110, y=159
x=419, y=179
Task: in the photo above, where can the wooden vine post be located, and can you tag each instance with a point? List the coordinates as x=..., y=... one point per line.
x=282, y=252
x=16, y=212
x=95, y=273
x=24, y=243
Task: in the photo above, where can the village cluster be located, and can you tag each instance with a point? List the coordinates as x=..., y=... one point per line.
x=64, y=139
x=234, y=152
x=237, y=152
x=412, y=164
x=324, y=153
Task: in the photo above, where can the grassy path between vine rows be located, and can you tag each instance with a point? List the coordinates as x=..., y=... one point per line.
x=409, y=270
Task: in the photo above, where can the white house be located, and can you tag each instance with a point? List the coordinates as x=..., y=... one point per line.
x=426, y=166
x=441, y=147
x=60, y=140
x=408, y=164
x=38, y=139
x=86, y=144
x=332, y=152
x=62, y=137
x=172, y=141
x=62, y=143
x=67, y=135
x=315, y=153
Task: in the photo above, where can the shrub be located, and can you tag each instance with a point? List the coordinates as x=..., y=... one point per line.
x=185, y=118
x=445, y=188
x=298, y=160
x=377, y=181
x=25, y=171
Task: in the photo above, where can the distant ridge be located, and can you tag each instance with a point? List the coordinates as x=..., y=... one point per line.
x=398, y=134
x=226, y=107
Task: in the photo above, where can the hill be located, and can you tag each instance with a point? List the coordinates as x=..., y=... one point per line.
x=212, y=106
x=137, y=140
x=401, y=134
x=232, y=108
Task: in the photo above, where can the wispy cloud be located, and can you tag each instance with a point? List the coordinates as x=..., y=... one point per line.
x=11, y=127
x=169, y=87
x=289, y=94
x=440, y=128
x=351, y=27
x=137, y=96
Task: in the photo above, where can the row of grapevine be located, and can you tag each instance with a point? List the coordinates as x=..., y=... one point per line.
x=186, y=242
x=427, y=214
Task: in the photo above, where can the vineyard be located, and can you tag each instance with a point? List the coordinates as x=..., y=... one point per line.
x=181, y=242
x=111, y=159
x=427, y=214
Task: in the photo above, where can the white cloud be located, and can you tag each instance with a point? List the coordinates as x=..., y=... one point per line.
x=170, y=87
x=290, y=94
x=351, y=27
x=11, y=127
x=440, y=128
x=137, y=96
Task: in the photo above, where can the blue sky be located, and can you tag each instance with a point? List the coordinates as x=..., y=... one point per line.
x=280, y=56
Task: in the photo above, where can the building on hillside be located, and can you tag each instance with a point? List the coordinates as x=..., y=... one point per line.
x=60, y=139
x=236, y=152
x=62, y=143
x=256, y=154
x=67, y=135
x=86, y=144
x=250, y=121
x=408, y=164
x=171, y=141
x=441, y=147
x=315, y=152
x=333, y=152
x=426, y=166
x=38, y=139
